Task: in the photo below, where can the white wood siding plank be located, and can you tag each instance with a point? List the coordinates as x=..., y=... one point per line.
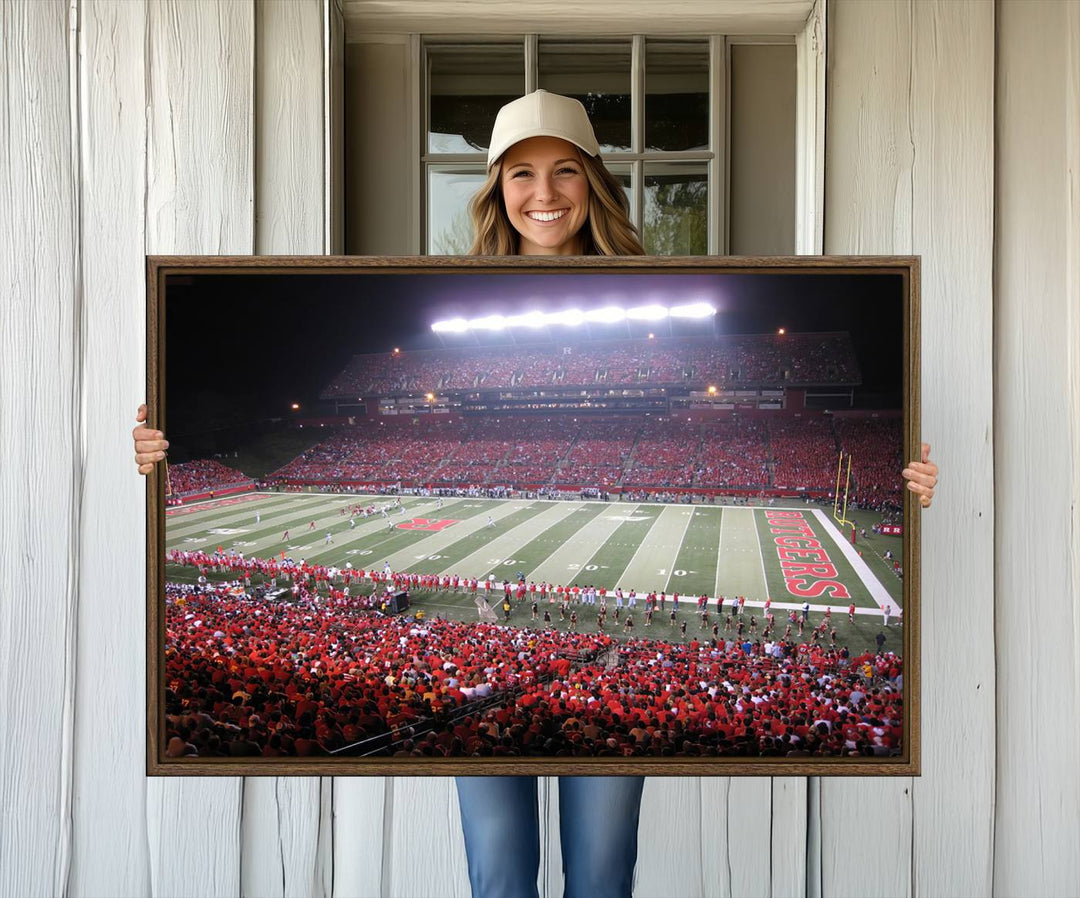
x=953, y=230
x=749, y=841
x=788, y=846
x=360, y=807
x=909, y=158
x=40, y=455
x=282, y=817
x=706, y=837
x=280, y=837
x=1037, y=823
x=200, y=188
x=193, y=829
x=424, y=851
x=869, y=156
x=110, y=854
x=200, y=152
x=670, y=839
x=290, y=159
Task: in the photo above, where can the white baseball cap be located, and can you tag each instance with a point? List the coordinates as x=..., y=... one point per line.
x=541, y=114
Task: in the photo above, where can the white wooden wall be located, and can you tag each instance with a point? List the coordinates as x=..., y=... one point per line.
x=200, y=127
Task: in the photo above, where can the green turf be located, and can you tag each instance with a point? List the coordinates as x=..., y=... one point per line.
x=676, y=548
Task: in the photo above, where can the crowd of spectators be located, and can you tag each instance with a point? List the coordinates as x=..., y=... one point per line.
x=733, y=453
x=742, y=360
x=204, y=475
x=665, y=454
x=742, y=453
x=804, y=453
x=248, y=676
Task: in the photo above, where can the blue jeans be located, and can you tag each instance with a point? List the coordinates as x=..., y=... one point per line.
x=598, y=823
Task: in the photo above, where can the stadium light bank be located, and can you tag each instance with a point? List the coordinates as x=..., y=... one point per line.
x=574, y=317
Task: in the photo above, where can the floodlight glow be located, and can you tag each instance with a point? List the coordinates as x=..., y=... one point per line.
x=488, y=323
x=452, y=326
x=693, y=310
x=569, y=317
x=606, y=315
x=528, y=319
x=575, y=317
x=647, y=313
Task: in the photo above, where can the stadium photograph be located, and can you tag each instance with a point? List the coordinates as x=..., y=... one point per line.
x=558, y=517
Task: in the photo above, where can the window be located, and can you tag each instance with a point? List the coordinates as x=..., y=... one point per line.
x=659, y=107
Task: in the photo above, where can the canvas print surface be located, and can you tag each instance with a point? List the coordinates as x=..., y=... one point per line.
x=485, y=516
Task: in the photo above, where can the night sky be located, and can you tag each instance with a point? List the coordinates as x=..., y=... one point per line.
x=245, y=346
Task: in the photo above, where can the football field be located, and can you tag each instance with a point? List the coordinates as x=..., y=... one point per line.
x=793, y=554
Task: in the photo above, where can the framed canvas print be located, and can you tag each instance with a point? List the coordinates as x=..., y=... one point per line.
x=547, y=516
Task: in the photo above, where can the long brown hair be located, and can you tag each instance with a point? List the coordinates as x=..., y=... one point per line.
x=608, y=230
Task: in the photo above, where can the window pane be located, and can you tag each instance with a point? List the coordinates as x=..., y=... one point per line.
x=467, y=84
x=597, y=74
x=449, y=191
x=676, y=209
x=676, y=95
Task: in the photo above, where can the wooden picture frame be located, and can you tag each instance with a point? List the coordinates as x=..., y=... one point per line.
x=224, y=335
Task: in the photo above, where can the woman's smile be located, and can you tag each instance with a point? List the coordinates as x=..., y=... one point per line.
x=546, y=194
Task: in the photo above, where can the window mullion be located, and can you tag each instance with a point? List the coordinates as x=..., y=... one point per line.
x=637, y=129
x=718, y=142
x=532, y=62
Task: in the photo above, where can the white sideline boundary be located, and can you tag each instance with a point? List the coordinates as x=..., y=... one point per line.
x=878, y=592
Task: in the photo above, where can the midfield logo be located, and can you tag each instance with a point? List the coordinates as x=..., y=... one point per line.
x=425, y=524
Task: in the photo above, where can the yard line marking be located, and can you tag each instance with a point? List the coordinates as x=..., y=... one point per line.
x=513, y=537
x=719, y=552
x=435, y=542
x=644, y=541
x=877, y=592
x=604, y=531
x=678, y=546
x=761, y=558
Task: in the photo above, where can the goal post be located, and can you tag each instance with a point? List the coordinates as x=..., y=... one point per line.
x=843, y=480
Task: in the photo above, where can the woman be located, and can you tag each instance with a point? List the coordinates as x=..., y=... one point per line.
x=548, y=193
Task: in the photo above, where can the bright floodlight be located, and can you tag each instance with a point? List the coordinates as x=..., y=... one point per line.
x=574, y=317
x=528, y=319
x=569, y=317
x=488, y=323
x=453, y=326
x=693, y=310
x=647, y=313
x=606, y=315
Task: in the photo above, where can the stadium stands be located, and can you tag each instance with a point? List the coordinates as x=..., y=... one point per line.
x=204, y=475
x=804, y=453
x=251, y=677
x=632, y=452
x=744, y=360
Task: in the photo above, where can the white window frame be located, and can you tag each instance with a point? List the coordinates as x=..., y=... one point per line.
x=810, y=125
